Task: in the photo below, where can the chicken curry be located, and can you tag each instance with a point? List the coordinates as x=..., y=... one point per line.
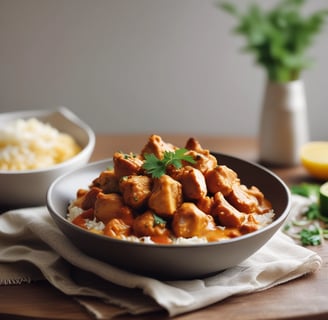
x=166, y=193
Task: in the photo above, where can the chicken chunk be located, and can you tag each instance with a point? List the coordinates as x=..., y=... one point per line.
x=221, y=179
x=85, y=199
x=126, y=164
x=117, y=228
x=106, y=181
x=189, y=221
x=250, y=225
x=193, y=183
x=264, y=205
x=157, y=146
x=166, y=196
x=203, y=162
x=146, y=225
x=242, y=200
x=110, y=206
x=227, y=214
x=136, y=190
x=205, y=204
x=193, y=144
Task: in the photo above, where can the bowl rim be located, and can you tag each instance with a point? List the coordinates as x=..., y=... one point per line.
x=56, y=215
x=69, y=115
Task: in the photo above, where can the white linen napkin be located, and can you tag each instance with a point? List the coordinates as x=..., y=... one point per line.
x=32, y=248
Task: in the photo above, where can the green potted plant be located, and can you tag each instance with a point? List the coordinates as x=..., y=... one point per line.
x=279, y=39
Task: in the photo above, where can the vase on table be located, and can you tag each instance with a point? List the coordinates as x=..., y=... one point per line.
x=283, y=123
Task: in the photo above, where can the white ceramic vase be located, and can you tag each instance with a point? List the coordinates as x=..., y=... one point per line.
x=283, y=123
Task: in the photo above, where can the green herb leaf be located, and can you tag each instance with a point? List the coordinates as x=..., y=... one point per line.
x=154, y=166
x=310, y=228
x=306, y=189
x=311, y=237
x=157, y=167
x=158, y=220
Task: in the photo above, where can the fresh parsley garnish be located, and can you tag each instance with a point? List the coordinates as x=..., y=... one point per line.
x=157, y=167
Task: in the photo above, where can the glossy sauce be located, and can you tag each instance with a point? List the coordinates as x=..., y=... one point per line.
x=211, y=235
x=221, y=234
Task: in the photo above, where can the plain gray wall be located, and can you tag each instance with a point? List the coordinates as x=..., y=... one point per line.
x=142, y=65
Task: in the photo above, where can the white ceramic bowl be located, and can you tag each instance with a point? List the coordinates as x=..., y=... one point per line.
x=29, y=187
x=170, y=261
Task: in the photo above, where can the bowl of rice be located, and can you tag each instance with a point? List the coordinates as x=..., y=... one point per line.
x=36, y=147
x=158, y=238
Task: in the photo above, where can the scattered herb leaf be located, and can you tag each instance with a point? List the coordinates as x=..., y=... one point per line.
x=310, y=227
x=158, y=220
x=311, y=236
x=306, y=189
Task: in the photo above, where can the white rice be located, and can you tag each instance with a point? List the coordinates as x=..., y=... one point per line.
x=32, y=144
x=264, y=219
x=73, y=212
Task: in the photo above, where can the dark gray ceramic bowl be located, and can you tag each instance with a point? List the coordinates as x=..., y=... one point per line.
x=170, y=261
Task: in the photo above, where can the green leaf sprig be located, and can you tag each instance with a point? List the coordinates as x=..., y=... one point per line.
x=157, y=167
x=278, y=37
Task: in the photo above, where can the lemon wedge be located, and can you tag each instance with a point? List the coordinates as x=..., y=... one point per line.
x=323, y=199
x=314, y=157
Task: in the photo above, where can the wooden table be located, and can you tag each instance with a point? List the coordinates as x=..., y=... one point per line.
x=304, y=298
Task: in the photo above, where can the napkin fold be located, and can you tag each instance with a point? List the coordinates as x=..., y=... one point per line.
x=33, y=248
